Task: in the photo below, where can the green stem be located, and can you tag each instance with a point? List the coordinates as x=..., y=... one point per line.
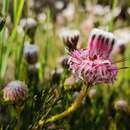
x=17, y=16
x=47, y=39
x=5, y=7
x=18, y=113
x=74, y=106
x=19, y=59
x=14, y=10
x=114, y=4
x=2, y=53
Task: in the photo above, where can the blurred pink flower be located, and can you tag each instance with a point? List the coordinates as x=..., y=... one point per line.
x=15, y=91
x=94, y=65
x=121, y=105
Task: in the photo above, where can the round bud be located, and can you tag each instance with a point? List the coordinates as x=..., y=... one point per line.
x=15, y=91
x=31, y=23
x=59, y=5
x=56, y=76
x=122, y=49
x=121, y=105
x=69, y=12
x=30, y=26
x=86, y=26
x=31, y=53
x=41, y=18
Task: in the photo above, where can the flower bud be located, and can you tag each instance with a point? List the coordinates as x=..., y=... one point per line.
x=56, y=76
x=41, y=18
x=86, y=26
x=123, y=38
x=120, y=47
x=59, y=5
x=30, y=24
x=15, y=91
x=121, y=105
x=69, y=12
x=31, y=53
x=70, y=38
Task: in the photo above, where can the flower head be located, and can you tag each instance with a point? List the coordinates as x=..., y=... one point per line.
x=30, y=25
x=120, y=47
x=31, y=53
x=15, y=91
x=29, y=22
x=123, y=38
x=121, y=105
x=94, y=65
x=70, y=38
x=69, y=12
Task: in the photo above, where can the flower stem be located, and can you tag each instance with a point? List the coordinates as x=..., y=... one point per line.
x=18, y=113
x=114, y=4
x=76, y=104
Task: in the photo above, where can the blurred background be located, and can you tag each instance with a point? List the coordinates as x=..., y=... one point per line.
x=32, y=51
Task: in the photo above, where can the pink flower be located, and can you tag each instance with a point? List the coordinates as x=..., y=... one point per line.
x=15, y=91
x=94, y=65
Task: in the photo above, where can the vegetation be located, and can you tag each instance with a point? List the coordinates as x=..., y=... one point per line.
x=36, y=83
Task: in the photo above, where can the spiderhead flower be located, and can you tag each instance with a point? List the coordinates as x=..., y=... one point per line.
x=70, y=38
x=94, y=64
x=15, y=91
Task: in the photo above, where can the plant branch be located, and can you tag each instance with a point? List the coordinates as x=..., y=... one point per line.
x=74, y=106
